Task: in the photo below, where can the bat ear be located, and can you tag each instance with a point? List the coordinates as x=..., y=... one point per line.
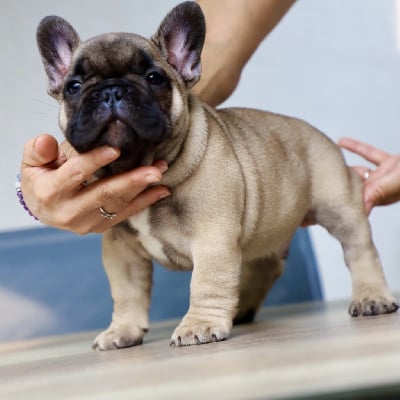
x=180, y=38
x=57, y=41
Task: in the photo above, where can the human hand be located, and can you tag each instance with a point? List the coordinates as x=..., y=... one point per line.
x=52, y=179
x=382, y=185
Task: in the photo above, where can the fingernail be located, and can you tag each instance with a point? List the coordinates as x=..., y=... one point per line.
x=161, y=165
x=165, y=194
x=111, y=152
x=152, y=178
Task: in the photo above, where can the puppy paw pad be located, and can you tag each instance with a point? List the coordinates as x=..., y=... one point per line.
x=200, y=334
x=369, y=307
x=113, y=339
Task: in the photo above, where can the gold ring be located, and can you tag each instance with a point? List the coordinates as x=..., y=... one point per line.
x=106, y=214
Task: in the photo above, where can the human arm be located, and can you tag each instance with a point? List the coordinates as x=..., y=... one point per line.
x=52, y=180
x=235, y=28
x=382, y=185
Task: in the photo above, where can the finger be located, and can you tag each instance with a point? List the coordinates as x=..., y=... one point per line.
x=115, y=193
x=144, y=200
x=78, y=169
x=381, y=191
x=161, y=165
x=370, y=153
x=68, y=150
x=363, y=172
x=40, y=151
x=139, y=203
x=65, y=152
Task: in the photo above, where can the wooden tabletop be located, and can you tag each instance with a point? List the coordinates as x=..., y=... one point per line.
x=297, y=351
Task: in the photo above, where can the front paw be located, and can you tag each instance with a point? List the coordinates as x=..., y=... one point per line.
x=118, y=337
x=372, y=305
x=200, y=330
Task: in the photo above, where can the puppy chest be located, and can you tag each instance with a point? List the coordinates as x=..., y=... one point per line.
x=164, y=243
x=140, y=222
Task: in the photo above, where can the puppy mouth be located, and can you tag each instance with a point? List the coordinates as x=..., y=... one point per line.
x=121, y=135
x=116, y=127
x=114, y=132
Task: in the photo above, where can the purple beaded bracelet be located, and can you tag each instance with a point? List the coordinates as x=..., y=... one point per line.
x=21, y=197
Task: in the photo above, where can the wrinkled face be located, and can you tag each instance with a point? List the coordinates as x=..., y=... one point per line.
x=116, y=94
x=120, y=89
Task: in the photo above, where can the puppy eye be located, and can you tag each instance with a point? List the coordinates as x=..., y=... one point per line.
x=155, y=78
x=73, y=87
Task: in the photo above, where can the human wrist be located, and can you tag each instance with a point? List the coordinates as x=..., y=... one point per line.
x=21, y=197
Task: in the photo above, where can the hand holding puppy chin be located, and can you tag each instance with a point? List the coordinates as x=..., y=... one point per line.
x=52, y=183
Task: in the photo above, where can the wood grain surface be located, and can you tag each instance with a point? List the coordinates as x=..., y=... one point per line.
x=299, y=351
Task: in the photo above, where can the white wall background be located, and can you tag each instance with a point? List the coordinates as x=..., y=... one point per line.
x=334, y=63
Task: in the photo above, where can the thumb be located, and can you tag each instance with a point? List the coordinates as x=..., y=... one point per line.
x=40, y=151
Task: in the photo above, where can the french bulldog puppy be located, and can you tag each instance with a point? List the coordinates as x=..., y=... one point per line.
x=242, y=180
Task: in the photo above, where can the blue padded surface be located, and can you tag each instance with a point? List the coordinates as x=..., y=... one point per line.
x=63, y=273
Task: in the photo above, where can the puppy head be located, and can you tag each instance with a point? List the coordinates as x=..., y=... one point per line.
x=121, y=89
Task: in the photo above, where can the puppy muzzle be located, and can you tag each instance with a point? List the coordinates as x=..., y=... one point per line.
x=117, y=113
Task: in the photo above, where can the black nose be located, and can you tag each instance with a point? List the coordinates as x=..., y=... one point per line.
x=111, y=95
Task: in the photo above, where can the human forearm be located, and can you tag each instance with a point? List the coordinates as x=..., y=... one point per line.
x=235, y=28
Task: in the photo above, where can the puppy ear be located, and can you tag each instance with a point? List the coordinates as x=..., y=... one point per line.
x=180, y=38
x=57, y=41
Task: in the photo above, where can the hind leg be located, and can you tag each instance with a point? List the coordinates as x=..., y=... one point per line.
x=257, y=278
x=344, y=217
